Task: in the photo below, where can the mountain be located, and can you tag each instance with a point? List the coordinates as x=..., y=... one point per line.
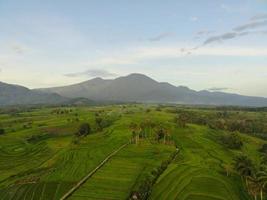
x=141, y=88
x=19, y=95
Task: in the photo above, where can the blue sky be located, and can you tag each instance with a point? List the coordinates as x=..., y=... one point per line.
x=219, y=45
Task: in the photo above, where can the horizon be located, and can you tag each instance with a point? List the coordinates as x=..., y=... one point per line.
x=209, y=90
x=216, y=46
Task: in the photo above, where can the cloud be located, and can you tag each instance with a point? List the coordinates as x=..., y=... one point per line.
x=139, y=55
x=194, y=19
x=92, y=73
x=220, y=38
x=218, y=89
x=161, y=36
x=204, y=32
x=231, y=35
x=239, y=31
x=251, y=25
x=259, y=17
x=19, y=49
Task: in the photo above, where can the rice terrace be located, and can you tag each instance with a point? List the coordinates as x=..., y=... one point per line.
x=164, y=152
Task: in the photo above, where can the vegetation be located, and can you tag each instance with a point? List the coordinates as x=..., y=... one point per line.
x=43, y=152
x=145, y=187
x=2, y=131
x=232, y=140
x=84, y=129
x=255, y=177
x=240, y=121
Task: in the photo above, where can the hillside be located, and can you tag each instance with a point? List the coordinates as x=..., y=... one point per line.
x=140, y=88
x=19, y=95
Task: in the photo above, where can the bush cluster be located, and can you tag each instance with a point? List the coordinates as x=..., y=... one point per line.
x=2, y=131
x=232, y=141
x=222, y=121
x=84, y=130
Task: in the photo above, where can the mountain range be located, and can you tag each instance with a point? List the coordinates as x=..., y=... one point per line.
x=131, y=88
x=18, y=95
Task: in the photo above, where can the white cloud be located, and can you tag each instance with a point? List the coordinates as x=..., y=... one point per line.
x=194, y=19
x=152, y=53
x=92, y=73
x=161, y=36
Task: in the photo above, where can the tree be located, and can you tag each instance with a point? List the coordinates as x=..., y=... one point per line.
x=84, y=129
x=2, y=131
x=243, y=165
x=98, y=121
x=227, y=168
x=253, y=186
x=160, y=133
x=232, y=141
x=182, y=119
x=257, y=183
x=135, y=132
x=262, y=180
x=263, y=148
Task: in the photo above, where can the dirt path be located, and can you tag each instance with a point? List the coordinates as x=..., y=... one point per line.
x=80, y=183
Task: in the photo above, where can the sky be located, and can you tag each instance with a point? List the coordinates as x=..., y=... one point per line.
x=216, y=45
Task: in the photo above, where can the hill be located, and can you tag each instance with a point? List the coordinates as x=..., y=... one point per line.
x=19, y=95
x=141, y=88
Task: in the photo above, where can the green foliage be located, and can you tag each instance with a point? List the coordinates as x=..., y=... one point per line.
x=160, y=133
x=263, y=149
x=84, y=129
x=103, y=120
x=145, y=188
x=243, y=165
x=255, y=124
x=232, y=141
x=2, y=131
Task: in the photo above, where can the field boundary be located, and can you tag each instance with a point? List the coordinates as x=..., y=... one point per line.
x=80, y=183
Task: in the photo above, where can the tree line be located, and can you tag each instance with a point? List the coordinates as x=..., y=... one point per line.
x=150, y=130
x=224, y=121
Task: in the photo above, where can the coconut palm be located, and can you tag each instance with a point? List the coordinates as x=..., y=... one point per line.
x=228, y=168
x=254, y=186
x=243, y=165
x=135, y=131
x=262, y=180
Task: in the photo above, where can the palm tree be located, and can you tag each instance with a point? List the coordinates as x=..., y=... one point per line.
x=228, y=168
x=135, y=132
x=253, y=187
x=243, y=165
x=262, y=180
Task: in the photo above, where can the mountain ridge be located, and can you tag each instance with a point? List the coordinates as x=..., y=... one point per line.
x=141, y=88
x=11, y=94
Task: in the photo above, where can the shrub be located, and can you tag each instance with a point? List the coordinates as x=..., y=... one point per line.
x=104, y=121
x=263, y=149
x=232, y=141
x=84, y=129
x=2, y=131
